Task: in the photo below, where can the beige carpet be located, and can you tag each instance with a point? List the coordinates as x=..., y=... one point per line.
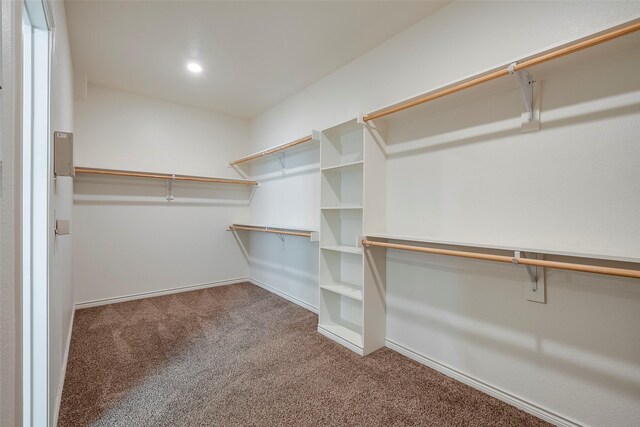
x=240, y=356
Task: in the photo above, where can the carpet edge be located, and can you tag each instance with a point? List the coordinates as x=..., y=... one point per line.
x=491, y=390
x=284, y=295
x=65, y=359
x=151, y=294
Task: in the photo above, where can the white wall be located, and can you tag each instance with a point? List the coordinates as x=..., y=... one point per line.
x=61, y=290
x=289, y=198
x=478, y=179
x=61, y=284
x=469, y=175
x=129, y=239
x=10, y=247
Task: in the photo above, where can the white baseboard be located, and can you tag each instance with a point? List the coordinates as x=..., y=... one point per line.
x=150, y=294
x=491, y=390
x=284, y=295
x=63, y=372
x=357, y=350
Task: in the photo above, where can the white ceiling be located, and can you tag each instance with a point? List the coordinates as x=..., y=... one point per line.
x=254, y=53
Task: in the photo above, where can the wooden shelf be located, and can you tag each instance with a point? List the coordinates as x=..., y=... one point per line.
x=273, y=150
x=344, y=249
x=345, y=289
x=312, y=235
x=273, y=225
x=163, y=176
x=568, y=253
x=589, y=47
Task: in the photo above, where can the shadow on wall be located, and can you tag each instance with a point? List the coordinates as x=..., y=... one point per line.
x=454, y=142
x=95, y=190
x=243, y=240
x=300, y=160
x=455, y=302
x=491, y=277
x=292, y=268
x=570, y=96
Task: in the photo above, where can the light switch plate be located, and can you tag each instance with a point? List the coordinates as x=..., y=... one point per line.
x=63, y=154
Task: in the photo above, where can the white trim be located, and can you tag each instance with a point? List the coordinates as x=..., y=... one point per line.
x=63, y=371
x=491, y=390
x=10, y=214
x=131, y=297
x=284, y=295
x=340, y=340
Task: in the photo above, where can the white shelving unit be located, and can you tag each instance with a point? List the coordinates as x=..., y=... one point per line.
x=352, y=280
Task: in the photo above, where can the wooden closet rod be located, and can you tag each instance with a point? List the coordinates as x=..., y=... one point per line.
x=272, y=150
x=504, y=71
x=153, y=175
x=271, y=230
x=502, y=258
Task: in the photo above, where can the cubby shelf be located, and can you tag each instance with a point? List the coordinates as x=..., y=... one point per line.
x=344, y=248
x=346, y=289
x=338, y=208
x=348, y=334
x=352, y=200
x=345, y=166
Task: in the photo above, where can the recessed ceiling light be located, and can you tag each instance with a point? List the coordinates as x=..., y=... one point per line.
x=194, y=67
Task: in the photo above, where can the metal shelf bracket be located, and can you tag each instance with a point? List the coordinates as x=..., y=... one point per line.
x=282, y=159
x=283, y=240
x=535, y=289
x=530, y=91
x=170, y=182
